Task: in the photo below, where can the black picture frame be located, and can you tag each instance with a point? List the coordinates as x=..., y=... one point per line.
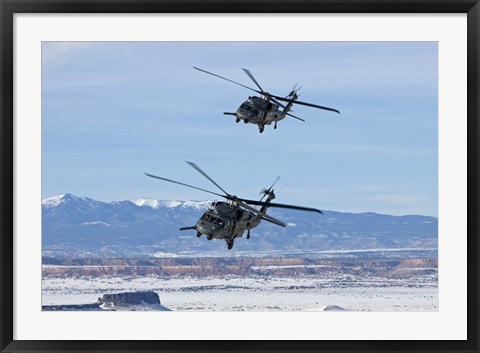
x=10, y=7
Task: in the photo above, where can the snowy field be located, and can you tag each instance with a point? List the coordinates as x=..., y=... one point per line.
x=233, y=293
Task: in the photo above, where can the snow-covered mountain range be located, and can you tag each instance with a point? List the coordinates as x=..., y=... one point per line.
x=83, y=227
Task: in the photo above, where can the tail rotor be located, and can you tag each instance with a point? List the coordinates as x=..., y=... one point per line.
x=294, y=93
x=269, y=191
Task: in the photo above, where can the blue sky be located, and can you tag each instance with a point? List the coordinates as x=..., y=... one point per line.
x=111, y=111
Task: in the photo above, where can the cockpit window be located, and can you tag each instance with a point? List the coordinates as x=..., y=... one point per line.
x=246, y=107
x=207, y=217
x=212, y=219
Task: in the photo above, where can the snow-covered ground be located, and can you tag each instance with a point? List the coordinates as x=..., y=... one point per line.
x=233, y=293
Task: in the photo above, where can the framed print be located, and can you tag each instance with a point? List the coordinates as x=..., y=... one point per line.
x=329, y=197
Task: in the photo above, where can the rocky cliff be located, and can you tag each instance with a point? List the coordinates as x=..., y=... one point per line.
x=125, y=301
x=241, y=266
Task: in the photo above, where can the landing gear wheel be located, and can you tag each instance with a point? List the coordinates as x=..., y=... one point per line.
x=261, y=128
x=275, y=126
x=209, y=237
x=230, y=245
x=245, y=121
x=237, y=120
x=199, y=234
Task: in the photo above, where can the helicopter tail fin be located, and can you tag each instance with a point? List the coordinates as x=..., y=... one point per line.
x=270, y=196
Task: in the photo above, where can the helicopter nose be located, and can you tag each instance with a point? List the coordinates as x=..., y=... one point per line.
x=206, y=228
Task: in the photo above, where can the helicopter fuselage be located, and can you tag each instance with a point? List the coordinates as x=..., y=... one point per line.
x=259, y=111
x=226, y=221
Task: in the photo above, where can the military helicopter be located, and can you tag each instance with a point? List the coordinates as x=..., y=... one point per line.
x=229, y=220
x=265, y=110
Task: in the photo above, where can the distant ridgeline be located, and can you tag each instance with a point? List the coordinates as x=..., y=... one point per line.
x=80, y=227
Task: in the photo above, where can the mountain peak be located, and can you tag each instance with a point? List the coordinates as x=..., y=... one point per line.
x=172, y=203
x=157, y=203
x=66, y=198
x=57, y=200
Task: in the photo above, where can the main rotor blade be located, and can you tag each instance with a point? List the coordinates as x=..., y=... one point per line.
x=296, y=117
x=277, y=102
x=224, y=78
x=269, y=96
x=280, y=205
x=264, y=216
x=273, y=220
x=253, y=79
x=307, y=104
x=197, y=168
x=177, y=182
